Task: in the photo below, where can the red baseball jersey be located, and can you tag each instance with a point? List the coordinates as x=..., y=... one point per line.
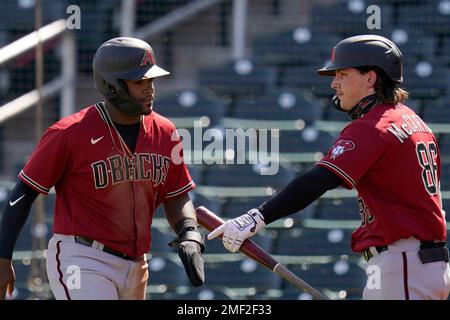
x=392, y=159
x=103, y=191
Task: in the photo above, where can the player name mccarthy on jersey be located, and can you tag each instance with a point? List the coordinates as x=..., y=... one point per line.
x=411, y=123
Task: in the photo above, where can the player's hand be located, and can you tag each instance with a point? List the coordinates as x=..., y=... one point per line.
x=235, y=231
x=7, y=278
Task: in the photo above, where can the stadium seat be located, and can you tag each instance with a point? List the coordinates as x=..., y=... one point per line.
x=241, y=79
x=192, y=104
x=426, y=80
x=294, y=47
x=238, y=206
x=308, y=140
x=338, y=209
x=414, y=44
x=164, y=271
x=437, y=111
x=431, y=16
x=347, y=18
x=243, y=273
x=313, y=242
x=444, y=146
x=204, y=292
x=213, y=204
x=51, y=11
x=345, y=279
x=307, y=78
x=161, y=237
x=281, y=104
x=246, y=175
x=445, y=177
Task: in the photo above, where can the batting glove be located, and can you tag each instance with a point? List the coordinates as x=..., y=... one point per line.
x=235, y=231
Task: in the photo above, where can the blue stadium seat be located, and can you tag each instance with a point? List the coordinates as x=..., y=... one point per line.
x=164, y=271
x=431, y=16
x=344, y=278
x=11, y=10
x=445, y=177
x=444, y=146
x=213, y=204
x=338, y=209
x=414, y=44
x=196, y=173
x=294, y=47
x=307, y=78
x=347, y=17
x=426, y=80
x=161, y=237
x=241, y=79
x=281, y=104
x=308, y=140
x=437, y=110
x=243, y=273
x=237, y=206
x=192, y=104
x=205, y=292
x=313, y=242
x=246, y=175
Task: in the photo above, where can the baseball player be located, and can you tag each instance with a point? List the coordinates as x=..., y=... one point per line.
x=111, y=166
x=391, y=157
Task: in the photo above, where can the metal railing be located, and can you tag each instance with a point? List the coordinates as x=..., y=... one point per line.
x=65, y=84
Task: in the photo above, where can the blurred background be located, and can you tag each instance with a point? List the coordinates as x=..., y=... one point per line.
x=234, y=64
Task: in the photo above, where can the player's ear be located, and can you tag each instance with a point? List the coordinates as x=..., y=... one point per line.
x=372, y=78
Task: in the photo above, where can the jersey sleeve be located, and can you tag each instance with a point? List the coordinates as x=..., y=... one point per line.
x=179, y=180
x=47, y=163
x=355, y=151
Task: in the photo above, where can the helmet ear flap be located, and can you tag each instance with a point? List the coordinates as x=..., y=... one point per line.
x=111, y=90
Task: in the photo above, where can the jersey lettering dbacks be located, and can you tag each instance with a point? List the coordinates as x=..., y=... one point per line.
x=398, y=199
x=103, y=191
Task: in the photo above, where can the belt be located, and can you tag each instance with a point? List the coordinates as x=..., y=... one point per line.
x=97, y=245
x=367, y=253
x=429, y=251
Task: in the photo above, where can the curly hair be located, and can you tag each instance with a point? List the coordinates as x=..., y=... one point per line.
x=386, y=90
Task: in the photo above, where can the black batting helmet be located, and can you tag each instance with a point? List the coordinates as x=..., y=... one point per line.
x=366, y=50
x=124, y=58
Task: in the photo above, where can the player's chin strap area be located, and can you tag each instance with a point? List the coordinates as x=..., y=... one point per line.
x=361, y=108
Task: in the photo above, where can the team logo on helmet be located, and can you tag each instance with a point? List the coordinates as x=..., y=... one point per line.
x=148, y=59
x=340, y=147
x=332, y=55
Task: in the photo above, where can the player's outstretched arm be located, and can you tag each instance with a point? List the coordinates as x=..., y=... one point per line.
x=297, y=195
x=180, y=213
x=14, y=215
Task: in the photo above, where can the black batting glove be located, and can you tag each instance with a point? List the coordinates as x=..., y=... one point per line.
x=190, y=248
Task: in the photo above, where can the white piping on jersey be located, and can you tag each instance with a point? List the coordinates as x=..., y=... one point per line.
x=340, y=171
x=36, y=185
x=179, y=191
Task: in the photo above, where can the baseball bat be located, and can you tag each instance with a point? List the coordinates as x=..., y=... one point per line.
x=210, y=221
